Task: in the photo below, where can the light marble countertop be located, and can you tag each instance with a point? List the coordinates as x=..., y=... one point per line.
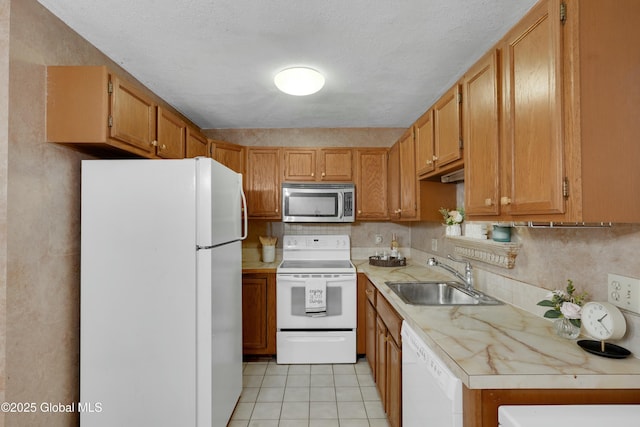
x=501, y=346
x=495, y=346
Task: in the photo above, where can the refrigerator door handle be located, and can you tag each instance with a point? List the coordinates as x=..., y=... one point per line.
x=245, y=214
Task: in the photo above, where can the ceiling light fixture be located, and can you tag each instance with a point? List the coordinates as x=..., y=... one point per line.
x=299, y=81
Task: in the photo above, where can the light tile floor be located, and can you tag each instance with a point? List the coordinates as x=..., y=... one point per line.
x=308, y=396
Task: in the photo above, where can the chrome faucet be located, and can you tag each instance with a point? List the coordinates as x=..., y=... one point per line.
x=468, y=270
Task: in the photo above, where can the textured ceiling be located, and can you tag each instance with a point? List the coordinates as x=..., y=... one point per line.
x=385, y=61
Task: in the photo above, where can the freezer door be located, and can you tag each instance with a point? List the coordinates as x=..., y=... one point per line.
x=219, y=196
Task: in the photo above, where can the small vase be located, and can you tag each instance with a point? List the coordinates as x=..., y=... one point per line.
x=565, y=329
x=453, y=230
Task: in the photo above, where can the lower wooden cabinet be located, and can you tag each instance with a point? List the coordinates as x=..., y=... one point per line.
x=259, y=313
x=481, y=406
x=384, y=352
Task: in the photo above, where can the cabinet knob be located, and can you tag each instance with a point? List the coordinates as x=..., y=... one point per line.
x=164, y=147
x=488, y=202
x=435, y=158
x=154, y=143
x=505, y=200
x=323, y=174
x=429, y=162
x=313, y=174
x=359, y=211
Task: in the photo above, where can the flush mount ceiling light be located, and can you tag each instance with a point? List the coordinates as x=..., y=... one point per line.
x=299, y=81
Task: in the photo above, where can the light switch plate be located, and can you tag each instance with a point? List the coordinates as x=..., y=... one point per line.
x=624, y=292
x=434, y=245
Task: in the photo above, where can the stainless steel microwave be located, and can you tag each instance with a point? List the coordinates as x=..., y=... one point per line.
x=318, y=202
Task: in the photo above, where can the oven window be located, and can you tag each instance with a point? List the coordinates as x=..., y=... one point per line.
x=312, y=205
x=334, y=301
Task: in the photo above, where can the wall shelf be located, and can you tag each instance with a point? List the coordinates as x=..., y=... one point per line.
x=495, y=253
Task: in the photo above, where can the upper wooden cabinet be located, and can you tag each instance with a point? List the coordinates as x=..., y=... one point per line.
x=567, y=130
x=230, y=155
x=318, y=164
x=263, y=182
x=403, y=194
x=480, y=92
x=197, y=145
x=439, y=137
x=425, y=154
x=447, y=130
x=371, y=184
x=93, y=110
x=533, y=145
x=172, y=133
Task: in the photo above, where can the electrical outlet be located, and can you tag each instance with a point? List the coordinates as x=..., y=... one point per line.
x=434, y=245
x=624, y=292
x=378, y=238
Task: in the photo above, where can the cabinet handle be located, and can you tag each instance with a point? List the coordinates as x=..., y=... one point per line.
x=505, y=200
x=488, y=202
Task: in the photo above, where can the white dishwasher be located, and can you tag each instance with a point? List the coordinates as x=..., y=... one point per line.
x=429, y=389
x=580, y=415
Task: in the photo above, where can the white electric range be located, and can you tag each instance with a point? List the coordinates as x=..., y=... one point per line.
x=316, y=300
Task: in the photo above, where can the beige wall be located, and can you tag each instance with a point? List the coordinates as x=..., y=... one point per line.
x=4, y=170
x=310, y=137
x=39, y=219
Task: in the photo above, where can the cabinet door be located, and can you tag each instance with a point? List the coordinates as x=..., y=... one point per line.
x=132, y=117
x=447, y=136
x=482, y=137
x=299, y=165
x=196, y=144
x=263, y=182
x=394, y=191
x=371, y=183
x=230, y=155
x=381, y=360
x=172, y=131
x=425, y=154
x=533, y=101
x=335, y=164
x=361, y=326
x=394, y=383
x=258, y=314
x=370, y=339
x=408, y=179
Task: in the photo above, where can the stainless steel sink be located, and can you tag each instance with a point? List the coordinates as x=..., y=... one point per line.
x=439, y=293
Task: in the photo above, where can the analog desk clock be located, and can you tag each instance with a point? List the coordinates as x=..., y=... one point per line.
x=603, y=321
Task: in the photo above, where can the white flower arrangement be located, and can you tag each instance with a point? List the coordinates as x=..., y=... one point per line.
x=564, y=304
x=452, y=217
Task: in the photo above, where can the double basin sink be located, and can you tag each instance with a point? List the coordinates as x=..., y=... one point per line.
x=439, y=293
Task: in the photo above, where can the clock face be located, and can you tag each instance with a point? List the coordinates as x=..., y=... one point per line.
x=603, y=320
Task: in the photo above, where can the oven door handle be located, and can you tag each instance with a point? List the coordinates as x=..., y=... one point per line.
x=316, y=339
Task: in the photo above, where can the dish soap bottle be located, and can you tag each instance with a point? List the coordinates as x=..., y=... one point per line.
x=394, y=246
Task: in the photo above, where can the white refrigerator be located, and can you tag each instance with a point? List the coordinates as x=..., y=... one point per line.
x=161, y=320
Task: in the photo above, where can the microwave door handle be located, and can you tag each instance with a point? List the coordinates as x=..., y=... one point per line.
x=340, y=204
